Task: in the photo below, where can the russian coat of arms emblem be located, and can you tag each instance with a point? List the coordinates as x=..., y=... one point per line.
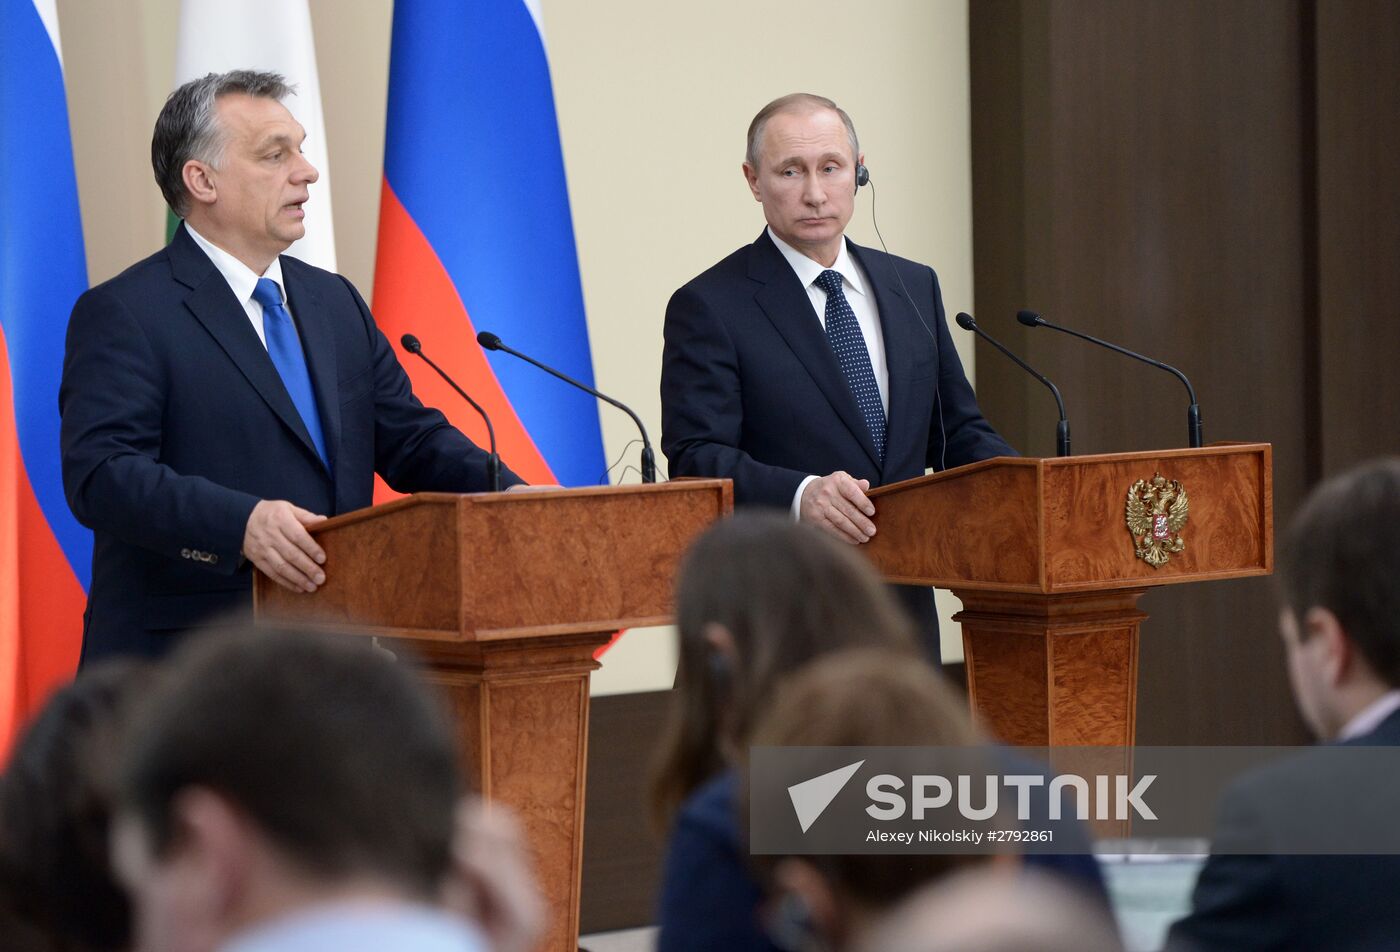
x=1156, y=512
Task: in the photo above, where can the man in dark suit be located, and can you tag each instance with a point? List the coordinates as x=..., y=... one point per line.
x=805, y=367
x=1340, y=625
x=218, y=398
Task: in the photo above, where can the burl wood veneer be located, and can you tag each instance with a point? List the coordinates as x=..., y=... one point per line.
x=505, y=598
x=1039, y=552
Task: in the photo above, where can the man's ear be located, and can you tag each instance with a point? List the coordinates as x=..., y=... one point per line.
x=751, y=176
x=217, y=846
x=1322, y=633
x=199, y=182
x=719, y=639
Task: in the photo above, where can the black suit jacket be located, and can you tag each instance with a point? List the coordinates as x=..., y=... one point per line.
x=751, y=390
x=1305, y=902
x=176, y=423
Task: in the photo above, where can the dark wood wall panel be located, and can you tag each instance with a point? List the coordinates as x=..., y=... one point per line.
x=622, y=854
x=1358, y=215
x=1158, y=156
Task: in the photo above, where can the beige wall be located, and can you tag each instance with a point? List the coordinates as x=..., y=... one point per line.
x=653, y=101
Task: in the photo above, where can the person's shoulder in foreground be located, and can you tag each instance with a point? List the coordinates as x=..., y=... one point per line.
x=1305, y=854
x=709, y=899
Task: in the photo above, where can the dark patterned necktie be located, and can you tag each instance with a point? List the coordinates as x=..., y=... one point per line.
x=848, y=343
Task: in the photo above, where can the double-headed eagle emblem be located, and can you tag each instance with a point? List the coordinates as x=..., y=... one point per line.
x=1156, y=512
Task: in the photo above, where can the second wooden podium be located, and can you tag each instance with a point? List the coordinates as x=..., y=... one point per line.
x=1049, y=557
x=505, y=598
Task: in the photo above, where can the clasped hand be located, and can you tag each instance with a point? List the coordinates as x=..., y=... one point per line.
x=837, y=504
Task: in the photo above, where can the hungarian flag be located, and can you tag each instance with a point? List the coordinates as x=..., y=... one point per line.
x=45, y=555
x=475, y=233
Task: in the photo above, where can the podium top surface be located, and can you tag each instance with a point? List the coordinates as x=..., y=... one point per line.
x=1060, y=525
x=445, y=567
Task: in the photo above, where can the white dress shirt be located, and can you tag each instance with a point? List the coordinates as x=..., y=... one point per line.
x=1371, y=716
x=361, y=927
x=242, y=280
x=856, y=286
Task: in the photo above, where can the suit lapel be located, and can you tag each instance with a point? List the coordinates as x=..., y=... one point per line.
x=213, y=304
x=900, y=326
x=313, y=323
x=786, y=304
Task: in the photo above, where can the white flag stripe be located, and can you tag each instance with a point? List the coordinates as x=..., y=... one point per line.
x=537, y=15
x=216, y=36
x=48, y=15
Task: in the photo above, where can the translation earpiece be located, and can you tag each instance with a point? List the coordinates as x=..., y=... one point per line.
x=862, y=176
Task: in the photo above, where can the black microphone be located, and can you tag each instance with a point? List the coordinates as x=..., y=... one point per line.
x=493, y=461
x=1193, y=412
x=966, y=322
x=491, y=342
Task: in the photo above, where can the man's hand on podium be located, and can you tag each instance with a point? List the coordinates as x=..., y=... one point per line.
x=276, y=541
x=837, y=504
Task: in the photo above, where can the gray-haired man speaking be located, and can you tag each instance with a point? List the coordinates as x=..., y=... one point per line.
x=218, y=397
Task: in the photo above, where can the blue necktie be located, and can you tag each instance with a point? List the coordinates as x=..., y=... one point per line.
x=848, y=343
x=284, y=347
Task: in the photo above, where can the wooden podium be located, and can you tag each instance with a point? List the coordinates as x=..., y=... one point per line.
x=1040, y=553
x=505, y=598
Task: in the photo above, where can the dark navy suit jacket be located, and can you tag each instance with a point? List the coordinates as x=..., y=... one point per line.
x=1304, y=902
x=176, y=423
x=751, y=390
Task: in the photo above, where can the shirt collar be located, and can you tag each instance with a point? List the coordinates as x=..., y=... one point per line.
x=1371, y=716
x=239, y=276
x=351, y=926
x=808, y=270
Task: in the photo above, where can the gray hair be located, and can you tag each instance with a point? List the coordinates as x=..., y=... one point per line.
x=187, y=127
x=795, y=102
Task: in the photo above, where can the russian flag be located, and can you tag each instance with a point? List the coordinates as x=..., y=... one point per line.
x=475, y=232
x=45, y=555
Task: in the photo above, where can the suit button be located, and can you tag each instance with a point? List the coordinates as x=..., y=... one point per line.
x=213, y=559
x=184, y=553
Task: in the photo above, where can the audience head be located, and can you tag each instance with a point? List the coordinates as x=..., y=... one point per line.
x=276, y=770
x=862, y=697
x=758, y=596
x=55, y=813
x=1337, y=570
x=990, y=910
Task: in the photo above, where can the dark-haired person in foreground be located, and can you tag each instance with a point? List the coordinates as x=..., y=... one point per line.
x=285, y=792
x=57, y=889
x=218, y=397
x=808, y=368
x=759, y=596
x=862, y=697
x=1338, y=568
